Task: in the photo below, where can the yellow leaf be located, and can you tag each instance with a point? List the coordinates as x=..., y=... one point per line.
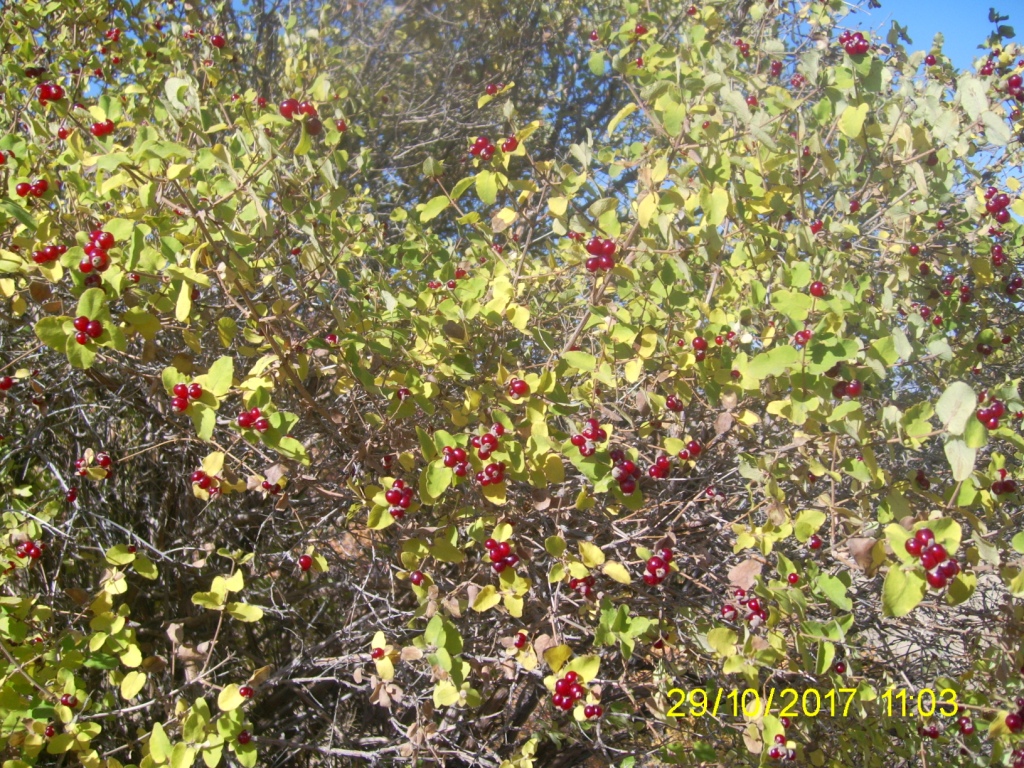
x=557, y=656
x=229, y=698
x=385, y=669
x=590, y=555
x=616, y=572
x=445, y=694
x=486, y=599
x=132, y=684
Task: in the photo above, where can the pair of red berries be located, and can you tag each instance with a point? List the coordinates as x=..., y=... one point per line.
x=584, y=586
x=691, y=451
x=998, y=255
x=518, y=388
x=775, y=68
x=87, y=329
x=1000, y=487
x=69, y=700
x=854, y=43
x=37, y=188
x=49, y=92
x=501, y=555
x=934, y=558
x=800, y=338
x=843, y=389
x=253, y=419
x=289, y=108
x=49, y=253
x=399, y=498
x=657, y=567
x=781, y=752
x=625, y=472
x=99, y=130
x=29, y=549
x=183, y=393
x=272, y=488
x=568, y=690
x=990, y=415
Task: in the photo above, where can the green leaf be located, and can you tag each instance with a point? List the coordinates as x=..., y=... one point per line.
x=50, y=331
x=92, y=303
x=901, y=592
x=182, y=756
x=956, y=406
x=145, y=567
x=596, y=63
x=245, y=612
x=715, y=204
x=487, y=187
x=305, y=142
x=229, y=698
x=434, y=207
x=583, y=361
x=486, y=599
x=219, y=377
x=621, y=115
x=961, y=458
x=774, y=362
x=851, y=122
x=132, y=684
x=204, y=419
x=434, y=480
x=835, y=590
x=973, y=95
x=11, y=208
x=159, y=744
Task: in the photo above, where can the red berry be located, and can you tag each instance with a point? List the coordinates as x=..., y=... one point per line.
x=793, y=578
x=377, y=653
x=246, y=692
x=305, y=562
x=195, y=391
x=416, y=577
x=217, y=41
x=244, y=738
x=818, y=289
x=69, y=700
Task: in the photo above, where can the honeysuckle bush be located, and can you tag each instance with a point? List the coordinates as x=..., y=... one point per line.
x=296, y=462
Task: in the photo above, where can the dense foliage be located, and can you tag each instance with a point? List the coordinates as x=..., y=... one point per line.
x=509, y=385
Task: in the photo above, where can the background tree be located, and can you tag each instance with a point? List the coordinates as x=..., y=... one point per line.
x=471, y=384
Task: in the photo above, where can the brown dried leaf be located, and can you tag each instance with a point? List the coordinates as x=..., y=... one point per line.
x=863, y=551
x=542, y=644
x=541, y=499
x=411, y=653
x=176, y=634
x=80, y=596
x=261, y=675
x=723, y=423
x=40, y=291
x=745, y=574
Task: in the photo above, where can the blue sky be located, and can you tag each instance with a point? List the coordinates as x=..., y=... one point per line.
x=963, y=23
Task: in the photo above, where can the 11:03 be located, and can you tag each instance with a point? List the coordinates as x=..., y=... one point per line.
x=902, y=703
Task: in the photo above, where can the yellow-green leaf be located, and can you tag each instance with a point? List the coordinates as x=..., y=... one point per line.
x=851, y=122
x=616, y=572
x=486, y=599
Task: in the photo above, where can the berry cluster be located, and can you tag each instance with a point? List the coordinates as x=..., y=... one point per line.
x=843, y=389
x=656, y=569
x=99, y=130
x=568, y=690
x=934, y=558
x=797, y=81
x=37, y=188
x=753, y=612
x=492, y=474
x=501, y=555
x=49, y=253
x=998, y=255
x=775, y=68
x=29, y=549
x=1013, y=284
x=922, y=480
x=854, y=43
x=1013, y=86
x=997, y=205
x=253, y=419
x=990, y=415
x=183, y=393
x=96, y=257
x=743, y=46
x=399, y=497
x=87, y=329
x=691, y=451
x=584, y=586
x=1002, y=485
x=625, y=472
x=49, y=92
x=486, y=443
x=602, y=254
x=455, y=460
x=272, y=488
x=203, y=481
x=482, y=148
x=518, y=388
x=290, y=108
x=587, y=439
